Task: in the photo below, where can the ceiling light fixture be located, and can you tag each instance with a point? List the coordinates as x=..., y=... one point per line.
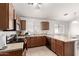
x=75, y=18
x=35, y=5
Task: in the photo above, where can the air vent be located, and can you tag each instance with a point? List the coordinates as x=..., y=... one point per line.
x=65, y=14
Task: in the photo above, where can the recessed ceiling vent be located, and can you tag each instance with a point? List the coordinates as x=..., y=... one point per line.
x=65, y=14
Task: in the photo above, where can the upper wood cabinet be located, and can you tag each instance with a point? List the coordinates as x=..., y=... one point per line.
x=45, y=25
x=18, y=24
x=23, y=24
x=6, y=16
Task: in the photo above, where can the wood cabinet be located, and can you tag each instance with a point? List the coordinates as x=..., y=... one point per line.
x=69, y=49
x=28, y=42
x=23, y=24
x=18, y=24
x=40, y=41
x=6, y=16
x=12, y=53
x=36, y=41
x=48, y=42
x=59, y=47
x=53, y=45
x=62, y=48
x=45, y=25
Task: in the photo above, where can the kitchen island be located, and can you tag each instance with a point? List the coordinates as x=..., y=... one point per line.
x=13, y=49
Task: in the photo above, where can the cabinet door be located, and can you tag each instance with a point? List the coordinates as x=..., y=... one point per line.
x=4, y=14
x=41, y=41
x=23, y=24
x=48, y=42
x=28, y=42
x=33, y=41
x=59, y=48
x=53, y=48
x=45, y=25
x=69, y=48
x=38, y=41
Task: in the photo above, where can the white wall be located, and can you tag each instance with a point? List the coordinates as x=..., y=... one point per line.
x=63, y=27
x=34, y=26
x=74, y=28
x=8, y=33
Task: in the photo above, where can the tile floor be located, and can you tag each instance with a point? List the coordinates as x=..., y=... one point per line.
x=40, y=51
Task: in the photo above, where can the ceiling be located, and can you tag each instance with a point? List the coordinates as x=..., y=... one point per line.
x=58, y=11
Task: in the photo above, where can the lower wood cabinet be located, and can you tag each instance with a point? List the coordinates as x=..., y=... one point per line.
x=69, y=49
x=59, y=47
x=41, y=41
x=48, y=42
x=36, y=41
x=62, y=48
x=12, y=53
x=28, y=42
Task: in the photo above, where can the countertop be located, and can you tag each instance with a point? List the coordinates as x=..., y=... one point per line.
x=58, y=37
x=21, y=36
x=63, y=38
x=13, y=47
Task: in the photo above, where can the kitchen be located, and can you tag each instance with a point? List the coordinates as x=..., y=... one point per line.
x=51, y=25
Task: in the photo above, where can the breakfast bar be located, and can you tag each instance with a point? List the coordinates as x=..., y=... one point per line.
x=13, y=49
